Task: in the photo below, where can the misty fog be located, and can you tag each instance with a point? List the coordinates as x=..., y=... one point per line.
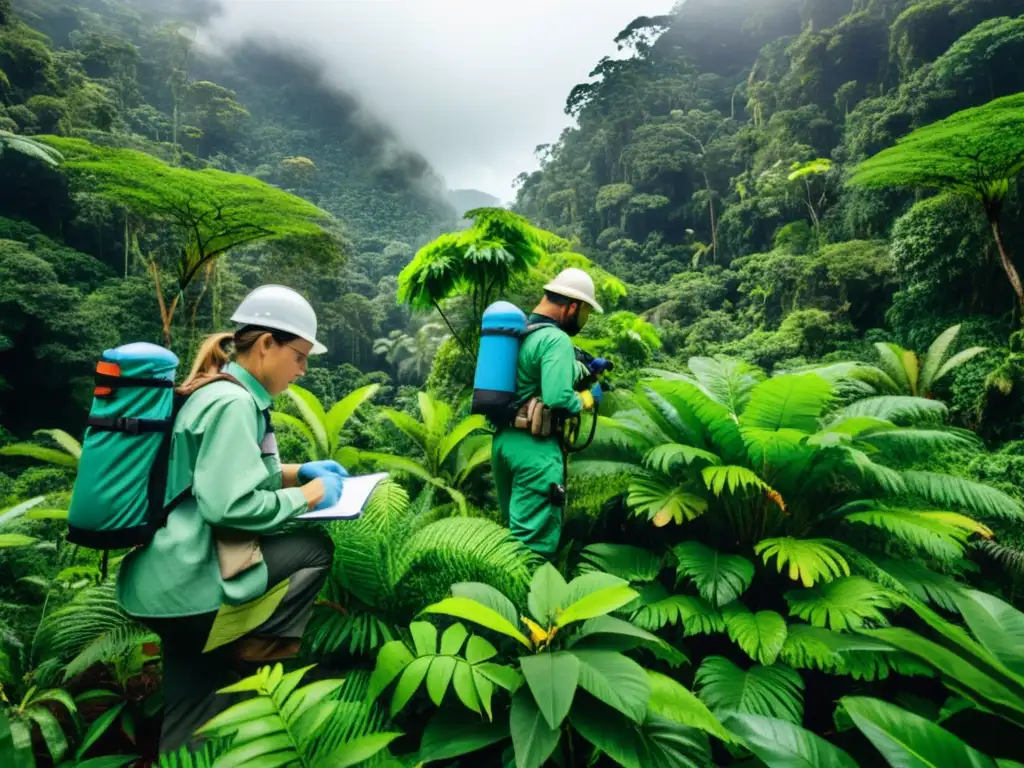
x=475, y=85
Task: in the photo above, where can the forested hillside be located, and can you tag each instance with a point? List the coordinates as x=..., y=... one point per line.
x=709, y=169
x=795, y=535
x=132, y=75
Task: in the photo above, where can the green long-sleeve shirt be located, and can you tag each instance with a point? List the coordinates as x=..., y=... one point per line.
x=216, y=449
x=547, y=368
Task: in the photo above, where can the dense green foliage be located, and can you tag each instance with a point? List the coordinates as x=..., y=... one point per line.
x=798, y=536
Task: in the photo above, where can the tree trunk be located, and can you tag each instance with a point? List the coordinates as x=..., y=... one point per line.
x=993, y=210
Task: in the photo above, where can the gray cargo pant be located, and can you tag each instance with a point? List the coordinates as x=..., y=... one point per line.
x=191, y=678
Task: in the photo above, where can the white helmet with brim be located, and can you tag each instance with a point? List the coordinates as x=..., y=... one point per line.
x=574, y=283
x=281, y=309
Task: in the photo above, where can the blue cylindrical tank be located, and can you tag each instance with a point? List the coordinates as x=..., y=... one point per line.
x=494, y=385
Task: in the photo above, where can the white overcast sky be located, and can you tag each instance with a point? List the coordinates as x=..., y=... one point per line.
x=474, y=85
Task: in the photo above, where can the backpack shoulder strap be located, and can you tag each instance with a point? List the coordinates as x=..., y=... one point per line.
x=538, y=326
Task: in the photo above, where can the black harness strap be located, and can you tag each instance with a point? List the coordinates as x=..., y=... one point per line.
x=116, y=382
x=129, y=425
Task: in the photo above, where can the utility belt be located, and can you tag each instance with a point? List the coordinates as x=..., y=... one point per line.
x=539, y=420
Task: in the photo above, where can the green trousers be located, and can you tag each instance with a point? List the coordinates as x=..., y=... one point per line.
x=524, y=469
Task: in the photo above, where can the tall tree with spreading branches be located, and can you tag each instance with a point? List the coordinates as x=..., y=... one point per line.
x=976, y=153
x=210, y=212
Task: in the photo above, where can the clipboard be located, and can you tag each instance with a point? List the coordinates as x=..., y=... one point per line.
x=355, y=492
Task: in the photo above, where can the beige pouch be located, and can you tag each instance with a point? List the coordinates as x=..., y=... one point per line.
x=237, y=551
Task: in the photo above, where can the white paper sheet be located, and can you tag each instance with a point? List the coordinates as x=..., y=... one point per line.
x=355, y=492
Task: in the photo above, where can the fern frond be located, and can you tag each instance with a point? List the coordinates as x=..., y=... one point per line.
x=809, y=560
x=956, y=361
x=775, y=691
x=908, y=444
x=462, y=549
x=894, y=360
x=91, y=615
x=355, y=718
x=843, y=604
x=1010, y=558
x=357, y=632
x=941, y=534
x=959, y=493
x=119, y=645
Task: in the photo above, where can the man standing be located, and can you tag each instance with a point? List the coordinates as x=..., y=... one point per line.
x=529, y=470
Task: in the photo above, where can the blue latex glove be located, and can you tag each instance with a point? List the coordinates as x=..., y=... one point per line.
x=332, y=489
x=599, y=365
x=314, y=469
x=597, y=393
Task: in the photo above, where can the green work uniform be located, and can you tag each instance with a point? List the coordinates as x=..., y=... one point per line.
x=216, y=449
x=525, y=467
x=222, y=448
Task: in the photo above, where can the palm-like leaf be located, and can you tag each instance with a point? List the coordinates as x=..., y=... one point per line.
x=40, y=453
x=775, y=691
x=656, y=608
x=718, y=479
x=899, y=409
x=910, y=444
x=900, y=364
x=809, y=560
x=666, y=457
x=727, y=381
x=843, y=604
x=760, y=635
x=286, y=421
x=794, y=401
x=626, y=562
x=662, y=501
x=719, y=578
x=941, y=534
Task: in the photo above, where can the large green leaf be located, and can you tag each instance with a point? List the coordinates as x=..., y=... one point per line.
x=656, y=743
x=552, y=678
x=33, y=451
x=533, y=738
x=548, y=593
x=727, y=381
x=907, y=740
x=951, y=491
x=615, y=680
x=662, y=500
x=942, y=535
x=843, y=604
x=898, y=409
x=674, y=701
x=359, y=750
x=471, y=610
x=781, y=744
x=342, y=410
x=597, y=604
x=761, y=635
x=719, y=578
x=453, y=734
x=312, y=413
x=622, y=560
x=997, y=625
x=775, y=691
x=392, y=658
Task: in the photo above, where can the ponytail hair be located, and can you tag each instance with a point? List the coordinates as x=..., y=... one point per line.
x=218, y=349
x=214, y=353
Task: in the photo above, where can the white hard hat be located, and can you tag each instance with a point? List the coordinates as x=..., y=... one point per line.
x=574, y=283
x=280, y=308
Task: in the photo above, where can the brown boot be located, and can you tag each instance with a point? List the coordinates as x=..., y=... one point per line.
x=260, y=649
